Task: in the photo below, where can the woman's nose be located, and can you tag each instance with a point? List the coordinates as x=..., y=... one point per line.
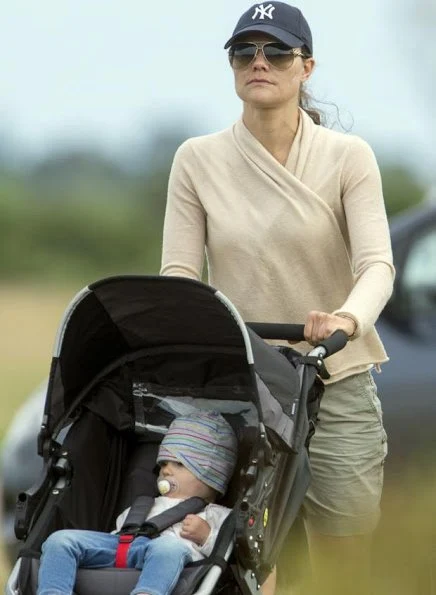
x=259, y=60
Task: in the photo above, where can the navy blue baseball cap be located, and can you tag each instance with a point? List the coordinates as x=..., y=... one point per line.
x=278, y=19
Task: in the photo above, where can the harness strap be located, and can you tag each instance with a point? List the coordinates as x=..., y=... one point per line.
x=137, y=514
x=124, y=543
x=136, y=522
x=135, y=517
x=154, y=526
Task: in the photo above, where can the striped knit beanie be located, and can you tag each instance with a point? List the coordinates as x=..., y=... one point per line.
x=205, y=444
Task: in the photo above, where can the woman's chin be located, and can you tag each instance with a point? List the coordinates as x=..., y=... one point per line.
x=259, y=97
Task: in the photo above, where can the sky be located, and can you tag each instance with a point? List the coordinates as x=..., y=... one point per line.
x=106, y=72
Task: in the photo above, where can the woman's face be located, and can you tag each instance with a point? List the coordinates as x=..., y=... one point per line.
x=262, y=85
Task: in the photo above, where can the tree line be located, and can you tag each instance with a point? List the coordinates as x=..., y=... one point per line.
x=80, y=216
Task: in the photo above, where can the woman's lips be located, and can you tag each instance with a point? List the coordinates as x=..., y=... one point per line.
x=259, y=82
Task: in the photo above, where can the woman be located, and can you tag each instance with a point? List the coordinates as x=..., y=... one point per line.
x=292, y=219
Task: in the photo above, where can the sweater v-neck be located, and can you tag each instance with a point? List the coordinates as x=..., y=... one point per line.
x=299, y=149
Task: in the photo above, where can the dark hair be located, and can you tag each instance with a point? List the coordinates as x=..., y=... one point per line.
x=305, y=103
x=321, y=118
x=306, y=100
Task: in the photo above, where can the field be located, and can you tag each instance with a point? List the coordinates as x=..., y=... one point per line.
x=29, y=317
x=405, y=544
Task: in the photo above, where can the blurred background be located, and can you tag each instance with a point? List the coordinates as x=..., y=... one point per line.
x=96, y=96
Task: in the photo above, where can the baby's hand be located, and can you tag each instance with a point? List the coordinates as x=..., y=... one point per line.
x=195, y=529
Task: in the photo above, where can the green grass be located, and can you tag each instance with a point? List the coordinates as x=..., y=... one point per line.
x=404, y=546
x=29, y=317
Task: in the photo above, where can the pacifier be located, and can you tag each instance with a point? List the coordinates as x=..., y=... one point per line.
x=165, y=486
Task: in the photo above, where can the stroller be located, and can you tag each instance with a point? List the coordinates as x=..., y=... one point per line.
x=132, y=353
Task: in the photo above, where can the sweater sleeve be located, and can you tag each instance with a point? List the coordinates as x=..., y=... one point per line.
x=368, y=230
x=215, y=515
x=184, y=231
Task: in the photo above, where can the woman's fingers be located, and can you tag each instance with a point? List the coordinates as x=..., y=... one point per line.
x=320, y=325
x=315, y=327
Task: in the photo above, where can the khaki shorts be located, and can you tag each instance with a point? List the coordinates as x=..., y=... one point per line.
x=347, y=454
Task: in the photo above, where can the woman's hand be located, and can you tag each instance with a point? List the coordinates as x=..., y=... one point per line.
x=320, y=325
x=195, y=529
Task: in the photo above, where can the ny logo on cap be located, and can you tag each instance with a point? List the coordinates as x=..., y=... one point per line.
x=263, y=11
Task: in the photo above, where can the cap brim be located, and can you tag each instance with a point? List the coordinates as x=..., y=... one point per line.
x=283, y=36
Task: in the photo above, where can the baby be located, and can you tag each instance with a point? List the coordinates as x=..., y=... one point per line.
x=196, y=458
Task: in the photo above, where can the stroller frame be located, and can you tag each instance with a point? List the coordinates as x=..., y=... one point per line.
x=278, y=451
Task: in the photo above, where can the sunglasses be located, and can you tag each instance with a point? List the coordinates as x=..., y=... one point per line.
x=277, y=54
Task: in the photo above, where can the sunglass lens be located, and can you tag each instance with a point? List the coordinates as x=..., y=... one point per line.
x=278, y=55
x=241, y=54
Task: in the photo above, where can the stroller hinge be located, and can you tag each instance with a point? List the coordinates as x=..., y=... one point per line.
x=61, y=471
x=317, y=361
x=44, y=443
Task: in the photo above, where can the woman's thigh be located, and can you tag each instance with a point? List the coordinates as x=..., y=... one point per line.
x=347, y=454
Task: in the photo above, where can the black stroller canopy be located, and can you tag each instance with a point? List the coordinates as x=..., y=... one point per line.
x=120, y=316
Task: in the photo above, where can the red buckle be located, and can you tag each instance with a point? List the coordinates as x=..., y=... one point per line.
x=124, y=542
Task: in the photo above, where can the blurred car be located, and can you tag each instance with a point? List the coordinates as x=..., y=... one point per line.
x=407, y=384
x=20, y=463
x=407, y=326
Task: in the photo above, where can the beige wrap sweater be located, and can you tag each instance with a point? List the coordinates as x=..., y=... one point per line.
x=283, y=240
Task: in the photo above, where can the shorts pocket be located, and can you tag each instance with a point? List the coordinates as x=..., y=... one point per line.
x=370, y=394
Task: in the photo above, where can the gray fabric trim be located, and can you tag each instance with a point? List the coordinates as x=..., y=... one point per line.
x=66, y=319
x=239, y=321
x=273, y=414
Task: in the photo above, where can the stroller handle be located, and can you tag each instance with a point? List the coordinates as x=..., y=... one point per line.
x=295, y=332
x=273, y=330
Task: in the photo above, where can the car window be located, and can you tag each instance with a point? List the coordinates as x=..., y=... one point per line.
x=420, y=269
x=419, y=279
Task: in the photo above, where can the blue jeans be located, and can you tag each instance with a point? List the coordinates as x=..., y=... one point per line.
x=161, y=560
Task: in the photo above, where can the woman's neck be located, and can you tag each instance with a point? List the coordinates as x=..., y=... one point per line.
x=275, y=129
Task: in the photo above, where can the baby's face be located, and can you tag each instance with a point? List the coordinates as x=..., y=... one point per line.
x=184, y=483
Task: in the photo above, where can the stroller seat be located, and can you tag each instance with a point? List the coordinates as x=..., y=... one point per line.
x=139, y=476
x=121, y=581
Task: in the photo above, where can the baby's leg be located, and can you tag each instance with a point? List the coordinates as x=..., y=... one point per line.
x=64, y=551
x=162, y=561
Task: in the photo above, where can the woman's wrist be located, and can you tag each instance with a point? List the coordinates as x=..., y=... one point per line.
x=353, y=321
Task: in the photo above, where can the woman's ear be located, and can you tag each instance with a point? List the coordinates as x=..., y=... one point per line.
x=308, y=68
